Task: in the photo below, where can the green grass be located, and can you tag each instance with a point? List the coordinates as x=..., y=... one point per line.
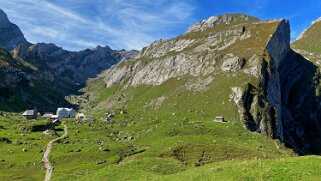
x=162, y=147
x=311, y=40
x=77, y=157
x=183, y=123
x=297, y=168
x=20, y=165
x=310, y=43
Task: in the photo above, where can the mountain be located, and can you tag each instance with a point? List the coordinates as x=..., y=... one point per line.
x=19, y=89
x=309, y=42
x=58, y=71
x=73, y=67
x=11, y=36
x=231, y=65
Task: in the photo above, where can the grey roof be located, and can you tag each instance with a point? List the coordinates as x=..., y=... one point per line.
x=61, y=109
x=29, y=113
x=65, y=109
x=219, y=117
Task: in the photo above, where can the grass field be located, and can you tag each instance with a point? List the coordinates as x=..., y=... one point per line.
x=143, y=147
x=17, y=164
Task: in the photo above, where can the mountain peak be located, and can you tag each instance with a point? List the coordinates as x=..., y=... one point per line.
x=221, y=19
x=99, y=47
x=3, y=18
x=2, y=14
x=11, y=36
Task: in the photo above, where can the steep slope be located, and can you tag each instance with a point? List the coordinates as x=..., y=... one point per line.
x=20, y=90
x=73, y=67
x=230, y=65
x=308, y=43
x=11, y=36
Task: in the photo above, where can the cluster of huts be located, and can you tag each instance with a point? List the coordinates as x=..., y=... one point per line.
x=60, y=113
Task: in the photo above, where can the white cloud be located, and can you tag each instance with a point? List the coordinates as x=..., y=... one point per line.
x=128, y=24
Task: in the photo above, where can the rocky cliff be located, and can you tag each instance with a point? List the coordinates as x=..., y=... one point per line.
x=11, y=36
x=308, y=103
x=73, y=67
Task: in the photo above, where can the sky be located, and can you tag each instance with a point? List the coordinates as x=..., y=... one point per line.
x=134, y=24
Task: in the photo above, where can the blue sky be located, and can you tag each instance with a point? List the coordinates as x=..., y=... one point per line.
x=133, y=24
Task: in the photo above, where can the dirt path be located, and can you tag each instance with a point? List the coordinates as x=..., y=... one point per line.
x=45, y=158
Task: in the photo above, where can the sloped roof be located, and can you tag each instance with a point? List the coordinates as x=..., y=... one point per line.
x=47, y=115
x=54, y=116
x=60, y=109
x=70, y=109
x=67, y=109
x=29, y=113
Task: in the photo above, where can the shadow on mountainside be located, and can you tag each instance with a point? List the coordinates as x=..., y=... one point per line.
x=301, y=109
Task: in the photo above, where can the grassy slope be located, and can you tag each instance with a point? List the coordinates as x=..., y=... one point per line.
x=221, y=147
x=227, y=150
x=310, y=43
x=160, y=136
x=311, y=39
x=20, y=165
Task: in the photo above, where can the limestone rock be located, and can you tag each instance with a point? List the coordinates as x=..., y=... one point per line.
x=232, y=63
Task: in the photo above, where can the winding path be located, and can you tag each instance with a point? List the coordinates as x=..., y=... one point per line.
x=45, y=158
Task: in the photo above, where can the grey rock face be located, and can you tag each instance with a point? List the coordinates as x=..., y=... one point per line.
x=11, y=36
x=278, y=48
x=165, y=59
x=254, y=66
x=232, y=63
x=21, y=51
x=73, y=67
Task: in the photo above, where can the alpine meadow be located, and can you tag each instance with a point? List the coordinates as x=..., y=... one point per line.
x=232, y=97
